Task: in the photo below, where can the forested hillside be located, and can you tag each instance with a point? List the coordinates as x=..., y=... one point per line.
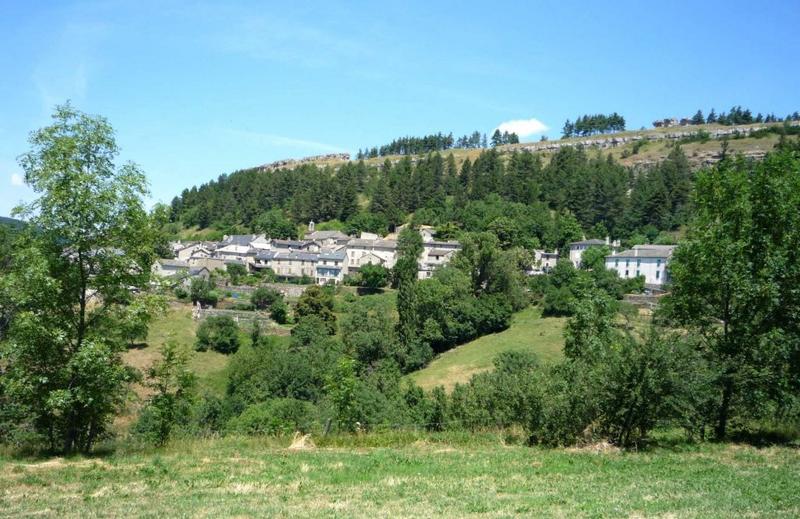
x=517, y=196
x=633, y=185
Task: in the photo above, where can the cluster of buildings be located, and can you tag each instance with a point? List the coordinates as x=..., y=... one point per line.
x=323, y=256
x=649, y=261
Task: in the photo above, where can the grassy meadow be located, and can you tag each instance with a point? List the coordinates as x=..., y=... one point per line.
x=406, y=475
x=528, y=331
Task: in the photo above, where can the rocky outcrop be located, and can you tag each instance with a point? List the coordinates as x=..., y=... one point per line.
x=614, y=141
x=293, y=163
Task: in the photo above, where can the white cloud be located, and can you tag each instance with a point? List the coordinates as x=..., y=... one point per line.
x=17, y=180
x=523, y=127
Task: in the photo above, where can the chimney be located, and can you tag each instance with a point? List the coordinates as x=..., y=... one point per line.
x=608, y=241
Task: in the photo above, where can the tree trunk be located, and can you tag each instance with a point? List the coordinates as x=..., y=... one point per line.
x=724, y=408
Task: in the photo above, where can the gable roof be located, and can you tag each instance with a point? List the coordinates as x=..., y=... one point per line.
x=173, y=263
x=645, y=251
x=374, y=244
x=340, y=255
x=296, y=256
x=440, y=252
x=290, y=244
x=239, y=239
x=327, y=235
x=593, y=241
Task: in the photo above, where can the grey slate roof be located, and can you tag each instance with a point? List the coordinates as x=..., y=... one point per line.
x=593, y=241
x=239, y=239
x=339, y=255
x=439, y=252
x=173, y=263
x=374, y=244
x=290, y=244
x=297, y=256
x=444, y=244
x=645, y=251
x=326, y=235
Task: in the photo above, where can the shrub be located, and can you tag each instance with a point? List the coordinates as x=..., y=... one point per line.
x=263, y=297
x=220, y=333
x=373, y=277
x=277, y=416
x=279, y=312
x=317, y=301
x=181, y=293
x=170, y=405
x=202, y=291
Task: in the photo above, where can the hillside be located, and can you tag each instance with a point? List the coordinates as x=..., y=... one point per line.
x=657, y=144
x=11, y=222
x=528, y=332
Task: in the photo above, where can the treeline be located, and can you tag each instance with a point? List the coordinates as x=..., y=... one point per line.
x=410, y=146
x=437, y=142
x=586, y=125
x=738, y=115
x=519, y=199
x=498, y=139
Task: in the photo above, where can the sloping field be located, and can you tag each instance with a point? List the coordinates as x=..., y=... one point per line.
x=528, y=331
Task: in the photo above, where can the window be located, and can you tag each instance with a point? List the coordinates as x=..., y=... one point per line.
x=638, y=262
x=626, y=273
x=658, y=263
x=658, y=274
x=637, y=273
x=616, y=263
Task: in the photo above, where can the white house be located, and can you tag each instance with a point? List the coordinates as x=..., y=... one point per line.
x=169, y=267
x=331, y=267
x=577, y=248
x=295, y=264
x=361, y=251
x=328, y=238
x=543, y=261
x=649, y=261
x=194, y=250
x=432, y=259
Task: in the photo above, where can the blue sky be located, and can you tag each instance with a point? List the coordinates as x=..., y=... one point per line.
x=196, y=89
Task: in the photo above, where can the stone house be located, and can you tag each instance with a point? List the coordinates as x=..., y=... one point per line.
x=331, y=267
x=648, y=260
x=577, y=248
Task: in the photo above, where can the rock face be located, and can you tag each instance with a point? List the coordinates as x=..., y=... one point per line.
x=613, y=141
x=292, y=163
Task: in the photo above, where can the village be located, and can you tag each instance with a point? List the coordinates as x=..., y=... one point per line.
x=321, y=257
x=329, y=257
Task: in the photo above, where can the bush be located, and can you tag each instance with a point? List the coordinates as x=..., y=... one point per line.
x=279, y=312
x=181, y=293
x=202, y=291
x=220, y=333
x=277, y=416
x=318, y=301
x=509, y=395
x=263, y=297
x=373, y=277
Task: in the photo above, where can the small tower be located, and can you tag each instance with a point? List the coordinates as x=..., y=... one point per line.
x=311, y=226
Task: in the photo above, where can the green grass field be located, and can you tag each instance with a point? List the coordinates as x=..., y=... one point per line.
x=177, y=325
x=528, y=331
x=406, y=476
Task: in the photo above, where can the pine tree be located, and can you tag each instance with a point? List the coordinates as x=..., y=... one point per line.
x=497, y=139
